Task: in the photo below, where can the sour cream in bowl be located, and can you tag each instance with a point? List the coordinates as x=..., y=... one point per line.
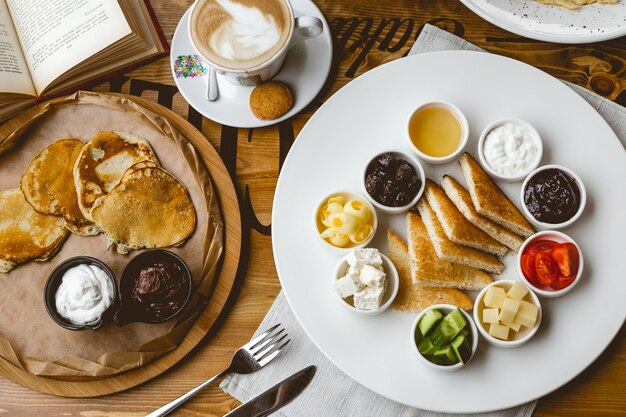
x=509, y=149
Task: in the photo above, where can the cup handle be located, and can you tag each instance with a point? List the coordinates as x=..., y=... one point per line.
x=308, y=27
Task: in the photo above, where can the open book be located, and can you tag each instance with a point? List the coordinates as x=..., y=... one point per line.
x=52, y=47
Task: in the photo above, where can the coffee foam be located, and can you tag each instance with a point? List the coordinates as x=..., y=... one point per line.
x=240, y=34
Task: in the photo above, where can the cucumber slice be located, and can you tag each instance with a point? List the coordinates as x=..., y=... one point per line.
x=462, y=346
x=449, y=327
x=445, y=356
x=426, y=347
x=429, y=320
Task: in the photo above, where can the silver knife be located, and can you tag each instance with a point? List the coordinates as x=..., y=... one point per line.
x=274, y=398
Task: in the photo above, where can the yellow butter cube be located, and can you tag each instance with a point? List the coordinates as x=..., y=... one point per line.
x=494, y=297
x=509, y=310
x=517, y=291
x=499, y=331
x=527, y=314
x=490, y=315
x=515, y=326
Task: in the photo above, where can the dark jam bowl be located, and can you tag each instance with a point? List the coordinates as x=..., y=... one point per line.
x=577, y=182
x=133, y=311
x=419, y=170
x=54, y=281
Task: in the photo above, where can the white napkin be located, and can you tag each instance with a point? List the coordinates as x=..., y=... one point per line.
x=333, y=393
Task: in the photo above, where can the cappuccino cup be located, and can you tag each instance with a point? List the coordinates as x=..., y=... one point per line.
x=246, y=41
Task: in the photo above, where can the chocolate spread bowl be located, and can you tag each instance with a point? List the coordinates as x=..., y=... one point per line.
x=54, y=281
x=154, y=287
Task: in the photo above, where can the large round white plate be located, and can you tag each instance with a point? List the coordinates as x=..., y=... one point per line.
x=369, y=115
x=305, y=71
x=592, y=23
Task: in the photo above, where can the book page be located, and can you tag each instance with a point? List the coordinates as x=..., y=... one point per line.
x=14, y=75
x=58, y=35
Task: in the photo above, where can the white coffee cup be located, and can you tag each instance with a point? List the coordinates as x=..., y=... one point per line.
x=301, y=28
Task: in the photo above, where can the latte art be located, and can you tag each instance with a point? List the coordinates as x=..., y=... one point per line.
x=240, y=34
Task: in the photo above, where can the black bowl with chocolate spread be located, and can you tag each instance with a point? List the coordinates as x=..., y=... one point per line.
x=154, y=287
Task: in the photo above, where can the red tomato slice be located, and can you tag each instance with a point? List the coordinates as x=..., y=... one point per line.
x=562, y=282
x=528, y=269
x=566, y=257
x=540, y=246
x=546, y=269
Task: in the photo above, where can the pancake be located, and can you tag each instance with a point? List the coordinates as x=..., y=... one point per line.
x=48, y=185
x=25, y=234
x=102, y=163
x=149, y=208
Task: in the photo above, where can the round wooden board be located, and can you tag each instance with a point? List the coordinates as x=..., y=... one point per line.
x=229, y=206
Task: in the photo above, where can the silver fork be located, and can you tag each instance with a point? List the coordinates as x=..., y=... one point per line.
x=249, y=358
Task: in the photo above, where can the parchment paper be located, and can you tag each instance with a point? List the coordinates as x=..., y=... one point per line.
x=28, y=337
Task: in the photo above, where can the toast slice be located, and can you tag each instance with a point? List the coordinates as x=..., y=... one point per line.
x=490, y=201
x=453, y=252
x=429, y=270
x=457, y=228
x=414, y=298
x=463, y=201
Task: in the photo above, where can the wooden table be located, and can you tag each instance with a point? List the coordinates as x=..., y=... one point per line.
x=367, y=33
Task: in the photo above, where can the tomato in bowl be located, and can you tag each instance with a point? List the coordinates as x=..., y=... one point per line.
x=550, y=262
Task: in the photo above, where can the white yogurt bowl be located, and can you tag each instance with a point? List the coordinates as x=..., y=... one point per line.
x=533, y=137
x=393, y=283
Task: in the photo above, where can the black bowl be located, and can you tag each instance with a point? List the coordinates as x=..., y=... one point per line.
x=130, y=309
x=53, y=282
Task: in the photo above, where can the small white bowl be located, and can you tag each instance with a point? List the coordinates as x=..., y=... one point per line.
x=559, y=238
x=393, y=283
x=583, y=198
x=464, y=132
x=489, y=168
x=420, y=173
x=524, y=335
x=347, y=196
x=416, y=337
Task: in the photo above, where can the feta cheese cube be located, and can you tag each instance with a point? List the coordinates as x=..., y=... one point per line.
x=517, y=291
x=499, y=331
x=490, y=315
x=509, y=310
x=369, y=298
x=494, y=297
x=367, y=256
x=527, y=314
x=372, y=276
x=348, y=285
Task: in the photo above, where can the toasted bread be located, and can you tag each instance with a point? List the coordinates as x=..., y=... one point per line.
x=413, y=298
x=132, y=214
x=456, y=226
x=453, y=252
x=48, y=185
x=463, y=201
x=430, y=270
x=102, y=163
x=26, y=235
x=490, y=201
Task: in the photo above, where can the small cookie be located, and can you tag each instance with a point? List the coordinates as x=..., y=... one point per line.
x=270, y=100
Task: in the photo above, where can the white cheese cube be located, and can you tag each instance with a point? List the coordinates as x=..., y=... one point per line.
x=527, y=314
x=370, y=298
x=372, y=276
x=509, y=310
x=367, y=256
x=517, y=291
x=490, y=315
x=515, y=326
x=348, y=285
x=494, y=297
x=499, y=331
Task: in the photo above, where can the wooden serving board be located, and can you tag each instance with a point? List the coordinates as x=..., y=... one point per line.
x=218, y=303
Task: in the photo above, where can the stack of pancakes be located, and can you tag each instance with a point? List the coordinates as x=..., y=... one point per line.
x=456, y=240
x=113, y=184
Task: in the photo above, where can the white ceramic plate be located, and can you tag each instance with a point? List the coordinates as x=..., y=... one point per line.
x=367, y=116
x=305, y=71
x=592, y=23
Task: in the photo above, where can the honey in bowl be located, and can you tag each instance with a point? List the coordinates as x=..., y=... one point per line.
x=435, y=131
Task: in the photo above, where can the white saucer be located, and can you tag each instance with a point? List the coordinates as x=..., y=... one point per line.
x=305, y=71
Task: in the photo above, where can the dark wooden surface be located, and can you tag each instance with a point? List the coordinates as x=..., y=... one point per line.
x=367, y=33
